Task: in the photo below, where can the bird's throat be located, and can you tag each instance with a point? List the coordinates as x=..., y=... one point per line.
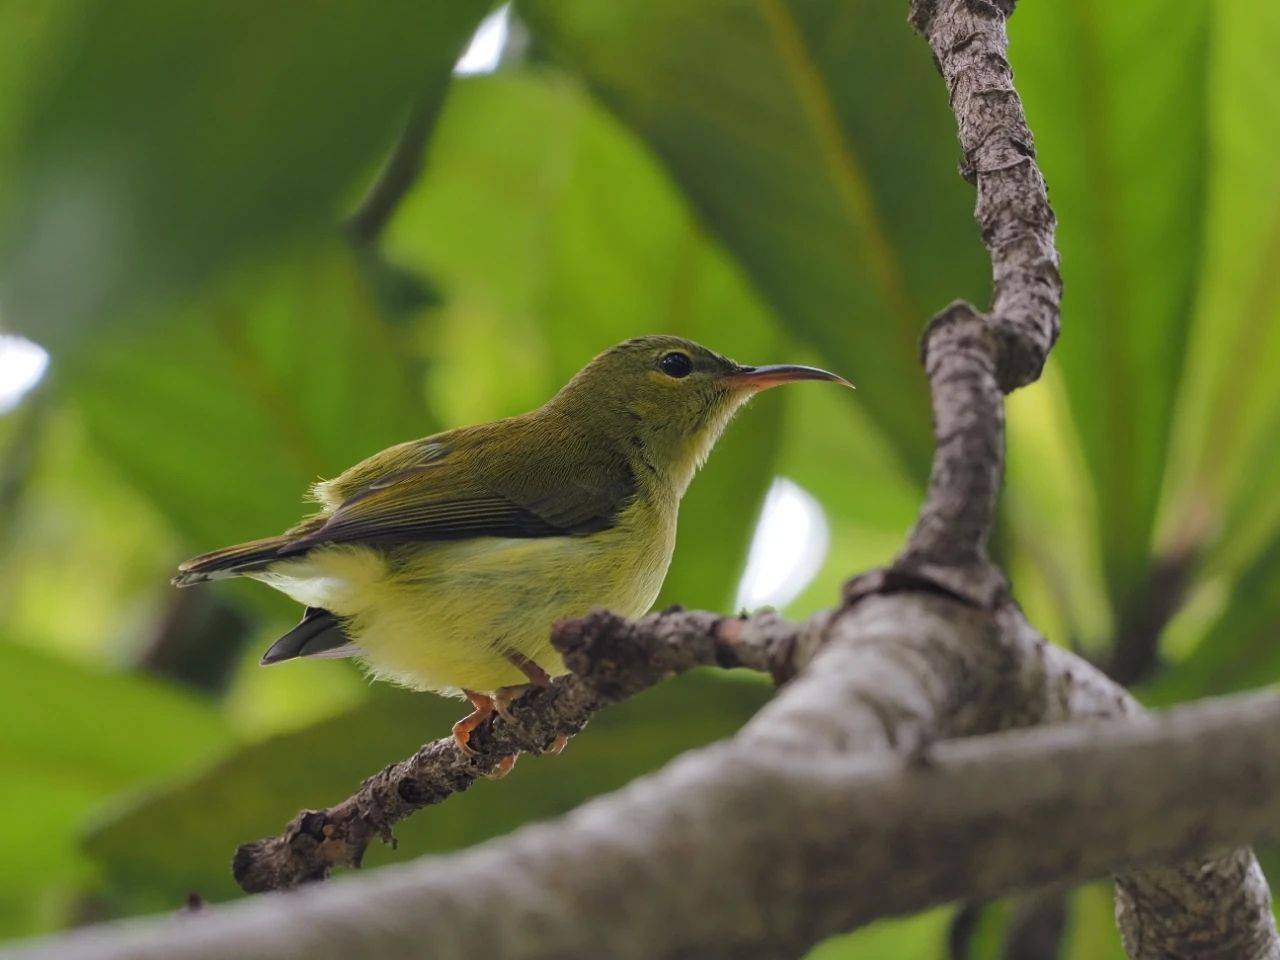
x=667, y=463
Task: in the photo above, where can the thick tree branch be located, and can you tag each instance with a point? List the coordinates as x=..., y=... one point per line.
x=800, y=849
x=612, y=659
x=1161, y=912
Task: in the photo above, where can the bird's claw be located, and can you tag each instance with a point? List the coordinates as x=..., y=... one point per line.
x=505, y=766
x=460, y=737
x=503, y=697
x=482, y=707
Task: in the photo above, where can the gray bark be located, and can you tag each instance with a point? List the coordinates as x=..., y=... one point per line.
x=800, y=826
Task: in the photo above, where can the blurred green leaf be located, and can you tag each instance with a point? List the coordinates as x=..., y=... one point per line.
x=1241, y=646
x=545, y=262
x=1049, y=509
x=225, y=414
x=182, y=839
x=163, y=142
x=71, y=737
x=1091, y=925
x=814, y=141
x=832, y=450
x=924, y=935
x=86, y=555
x=1229, y=414
x=1123, y=147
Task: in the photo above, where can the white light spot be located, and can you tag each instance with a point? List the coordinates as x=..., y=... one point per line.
x=787, y=549
x=22, y=364
x=485, y=50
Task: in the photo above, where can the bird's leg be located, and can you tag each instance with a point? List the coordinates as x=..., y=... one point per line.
x=537, y=676
x=505, y=696
x=482, y=707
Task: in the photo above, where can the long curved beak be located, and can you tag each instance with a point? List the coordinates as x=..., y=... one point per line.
x=762, y=378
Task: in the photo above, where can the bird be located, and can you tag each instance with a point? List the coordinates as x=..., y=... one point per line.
x=442, y=563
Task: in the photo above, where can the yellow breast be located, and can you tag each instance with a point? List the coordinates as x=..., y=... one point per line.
x=444, y=616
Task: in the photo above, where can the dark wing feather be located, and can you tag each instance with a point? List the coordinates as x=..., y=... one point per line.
x=419, y=519
x=539, y=475
x=499, y=480
x=320, y=634
x=241, y=558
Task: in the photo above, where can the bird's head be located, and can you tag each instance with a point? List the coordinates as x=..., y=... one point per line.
x=670, y=398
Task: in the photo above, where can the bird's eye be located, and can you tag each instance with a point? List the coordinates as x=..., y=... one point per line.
x=675, y=364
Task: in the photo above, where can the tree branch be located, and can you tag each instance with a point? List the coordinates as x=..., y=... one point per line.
x=1160, y=912
x=612, y=659
x=970, y=47
x=971, y=358
x=799, y=849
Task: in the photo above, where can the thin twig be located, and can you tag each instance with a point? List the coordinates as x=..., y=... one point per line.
x=612, y=659
x=371, y=217
x=1135, y=652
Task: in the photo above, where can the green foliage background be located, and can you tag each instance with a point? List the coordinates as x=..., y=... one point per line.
x=774, y=177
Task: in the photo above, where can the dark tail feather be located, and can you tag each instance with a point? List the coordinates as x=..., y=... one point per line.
x=230, y=561
x=319, y=634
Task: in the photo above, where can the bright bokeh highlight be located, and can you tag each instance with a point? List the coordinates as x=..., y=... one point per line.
x=484, y=52
x=22, y=364
x=787, y=549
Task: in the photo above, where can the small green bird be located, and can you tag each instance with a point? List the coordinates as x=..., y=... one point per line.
x=442, y=563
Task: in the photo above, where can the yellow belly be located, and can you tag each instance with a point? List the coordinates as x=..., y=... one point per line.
x=445, y=616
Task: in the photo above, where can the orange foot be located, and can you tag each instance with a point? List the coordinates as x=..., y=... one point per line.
x=482, y=708
x=503, y=697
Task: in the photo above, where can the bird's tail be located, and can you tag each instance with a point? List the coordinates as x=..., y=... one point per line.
x=230, y=561
x=319, y=636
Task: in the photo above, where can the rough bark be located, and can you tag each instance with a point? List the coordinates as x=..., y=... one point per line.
x=748, y=852
x=970, y=47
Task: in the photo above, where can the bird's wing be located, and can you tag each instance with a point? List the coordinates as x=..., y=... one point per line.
x=381, y=468
x=533, y=484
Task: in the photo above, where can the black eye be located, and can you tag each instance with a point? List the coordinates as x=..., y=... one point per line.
x=675, y=364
